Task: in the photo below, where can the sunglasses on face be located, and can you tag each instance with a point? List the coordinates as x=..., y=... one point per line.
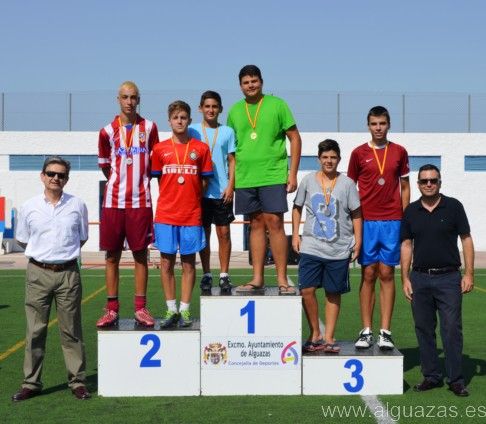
x=52, y=174
x=425, y=181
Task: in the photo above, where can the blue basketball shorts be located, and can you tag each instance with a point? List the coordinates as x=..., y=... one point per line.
x=187, y=239
x=381, y=243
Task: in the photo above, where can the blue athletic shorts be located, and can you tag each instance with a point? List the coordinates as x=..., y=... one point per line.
x=381, y=243
x=331, y=274
x=186, y=239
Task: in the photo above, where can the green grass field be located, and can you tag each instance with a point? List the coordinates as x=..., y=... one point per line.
x=57, y=405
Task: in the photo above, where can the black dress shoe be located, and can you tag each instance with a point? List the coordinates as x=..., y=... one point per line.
x=459, y=389
x=81, y=392
x=24, y=393
x=427, y=385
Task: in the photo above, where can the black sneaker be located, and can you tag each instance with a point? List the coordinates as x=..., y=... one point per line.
x=170, y=320
x=206, y=284
x=225, y=284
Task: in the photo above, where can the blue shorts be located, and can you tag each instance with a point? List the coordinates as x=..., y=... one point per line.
x=186, y=239
x=381, y=243
x=269, y=199
x=331, y=274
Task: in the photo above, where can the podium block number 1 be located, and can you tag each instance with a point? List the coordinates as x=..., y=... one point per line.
x=148, y=361
x=249, y=309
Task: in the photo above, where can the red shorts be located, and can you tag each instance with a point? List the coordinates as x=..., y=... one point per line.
x=135, y=225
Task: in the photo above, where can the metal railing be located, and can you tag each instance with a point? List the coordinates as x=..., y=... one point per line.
x=314, y=111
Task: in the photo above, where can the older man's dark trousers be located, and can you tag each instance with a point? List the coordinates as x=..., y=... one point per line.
x=442, y=294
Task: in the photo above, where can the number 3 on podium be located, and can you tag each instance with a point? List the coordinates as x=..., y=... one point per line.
x=356, y=374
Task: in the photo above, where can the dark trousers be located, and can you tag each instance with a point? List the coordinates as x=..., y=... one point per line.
x=442, y=294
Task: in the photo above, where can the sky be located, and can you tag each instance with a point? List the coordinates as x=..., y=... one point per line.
x=318, y=45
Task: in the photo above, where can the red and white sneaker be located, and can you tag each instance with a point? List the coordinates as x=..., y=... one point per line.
x=143, y=318
x=109, y=319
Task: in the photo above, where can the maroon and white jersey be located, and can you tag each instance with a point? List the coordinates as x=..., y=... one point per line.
x=128, y=157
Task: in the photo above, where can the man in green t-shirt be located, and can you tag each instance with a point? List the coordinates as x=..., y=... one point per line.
x=262, y=123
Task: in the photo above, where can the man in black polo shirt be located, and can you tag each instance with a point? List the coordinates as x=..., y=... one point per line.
x=430, y=227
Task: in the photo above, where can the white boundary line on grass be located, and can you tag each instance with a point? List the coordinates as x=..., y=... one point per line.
x=372, y=402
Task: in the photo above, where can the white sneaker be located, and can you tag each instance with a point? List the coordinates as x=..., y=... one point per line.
x=385, y=341
x=364, y=340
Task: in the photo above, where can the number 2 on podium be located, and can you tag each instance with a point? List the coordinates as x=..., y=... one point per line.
x=249, y=309
x=147, y=360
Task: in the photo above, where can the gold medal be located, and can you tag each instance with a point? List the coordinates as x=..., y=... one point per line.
x=127, y=143
x=180, y=168
x=327, y=192
x=381, y=181
x=253, y=122
x=181, y=180
x=129, y=161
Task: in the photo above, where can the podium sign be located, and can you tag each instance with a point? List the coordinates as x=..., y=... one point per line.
x=251, y=344
x=353, y=372
x=148, y=362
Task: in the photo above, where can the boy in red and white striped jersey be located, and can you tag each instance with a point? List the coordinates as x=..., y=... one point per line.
x=124, y=149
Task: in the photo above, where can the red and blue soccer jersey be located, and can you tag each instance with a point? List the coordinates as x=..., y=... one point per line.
x=129, y=183
x=180, y=204
x=379, y=202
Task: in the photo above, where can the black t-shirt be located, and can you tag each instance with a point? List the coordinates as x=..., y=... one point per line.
x=434, y=234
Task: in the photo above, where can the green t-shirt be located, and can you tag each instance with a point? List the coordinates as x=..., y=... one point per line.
x=262, y=161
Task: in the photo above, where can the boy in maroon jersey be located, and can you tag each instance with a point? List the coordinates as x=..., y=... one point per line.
x=381, y=170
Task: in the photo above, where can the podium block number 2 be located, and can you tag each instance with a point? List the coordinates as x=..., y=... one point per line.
x=147, y=360
x=357, y=367
x=249, y=309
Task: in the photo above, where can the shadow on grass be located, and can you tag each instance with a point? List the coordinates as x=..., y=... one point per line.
x=4, y=306
x=471, y=367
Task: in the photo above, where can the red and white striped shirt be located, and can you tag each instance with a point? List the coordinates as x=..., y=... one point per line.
x=128, y=185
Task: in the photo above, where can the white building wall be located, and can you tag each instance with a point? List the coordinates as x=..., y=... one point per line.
x=469, y=187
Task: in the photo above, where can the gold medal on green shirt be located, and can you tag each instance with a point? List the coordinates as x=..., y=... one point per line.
x=253, y=122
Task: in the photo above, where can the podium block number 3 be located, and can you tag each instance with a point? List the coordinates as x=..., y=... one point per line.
x=148, y=361
x=357, y=367
x=249, y=309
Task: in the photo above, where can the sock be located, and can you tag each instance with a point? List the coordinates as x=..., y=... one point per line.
x=184, y=306
x=112, y=304
x=140, y=302
x=171, y=305
x=223, y=274
x=367, y=330
x=385, y=331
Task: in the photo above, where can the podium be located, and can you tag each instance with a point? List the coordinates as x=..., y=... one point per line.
x=242, y=345
x=353, y=372
x=136, y=361
x=251, y=344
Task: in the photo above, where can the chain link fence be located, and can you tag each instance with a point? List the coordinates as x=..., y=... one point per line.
x=314, y=111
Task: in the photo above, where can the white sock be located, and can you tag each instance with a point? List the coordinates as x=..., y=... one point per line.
x=223, y=274
x=171, y=305
x=385, y=331
x=184, y=306
x=367, y=330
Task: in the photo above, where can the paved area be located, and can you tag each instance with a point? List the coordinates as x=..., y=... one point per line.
x=17, y=260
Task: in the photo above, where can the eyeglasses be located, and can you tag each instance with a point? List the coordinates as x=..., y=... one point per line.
x=425, y=181
x=52, y=174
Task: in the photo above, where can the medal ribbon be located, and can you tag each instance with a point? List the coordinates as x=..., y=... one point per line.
x=327, y=190
x=253, y=122
x=123, y=135
x=215, y=136
x=381, y=166
x=177, y=155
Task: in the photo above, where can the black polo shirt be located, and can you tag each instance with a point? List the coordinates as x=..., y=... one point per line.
x=434, y=234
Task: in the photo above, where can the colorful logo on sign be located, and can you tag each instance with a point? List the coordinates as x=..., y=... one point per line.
x=215, y=353
x=289, y=354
